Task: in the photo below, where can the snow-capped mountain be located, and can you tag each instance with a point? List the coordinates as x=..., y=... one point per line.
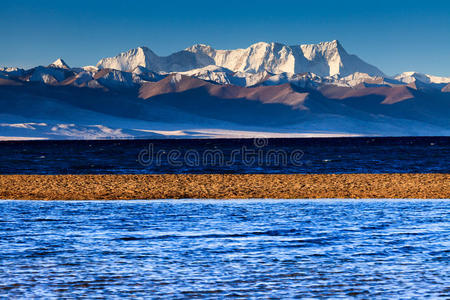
x=266, y=89
x=323, y=59
x=59, y=63
x=48, y=75
x=409, y=77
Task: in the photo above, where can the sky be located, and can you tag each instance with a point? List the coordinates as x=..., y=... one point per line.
x=395, y=36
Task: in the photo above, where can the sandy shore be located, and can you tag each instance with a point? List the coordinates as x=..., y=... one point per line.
x=75, y=187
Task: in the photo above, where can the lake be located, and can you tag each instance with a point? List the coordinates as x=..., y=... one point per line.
x=215, y=249
x=239, y=156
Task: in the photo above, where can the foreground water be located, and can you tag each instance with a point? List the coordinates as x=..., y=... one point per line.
x=213, y=249
x=287, y=156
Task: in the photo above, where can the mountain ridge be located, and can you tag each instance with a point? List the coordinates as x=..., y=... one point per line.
x=323, y=59
x=266, y=89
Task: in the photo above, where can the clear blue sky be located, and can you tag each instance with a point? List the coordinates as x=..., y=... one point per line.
x=396, y=36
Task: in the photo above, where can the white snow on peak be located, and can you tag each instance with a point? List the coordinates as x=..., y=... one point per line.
x=358, y=78
x=323, y=59
x=409, y=77
x=127, y=61
x=301, y=80
x=259, y=57
x=223, y=75
x=91, y=69
x=9, y=71
x=331, y=57
x=438, y=79
x=211, y=73
x=59, y=63
x=47, y=75
x=199, y=47
x=313, y=80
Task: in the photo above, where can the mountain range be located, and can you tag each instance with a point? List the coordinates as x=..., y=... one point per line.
x=267, y=89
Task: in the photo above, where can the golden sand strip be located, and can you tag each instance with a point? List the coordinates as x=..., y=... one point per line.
x=221, y=186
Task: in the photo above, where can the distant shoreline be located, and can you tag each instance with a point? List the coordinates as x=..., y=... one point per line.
x=224, y=186
x=262, y=134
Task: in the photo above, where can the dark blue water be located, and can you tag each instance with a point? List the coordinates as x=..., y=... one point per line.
x=318, y=155
x=215, y=249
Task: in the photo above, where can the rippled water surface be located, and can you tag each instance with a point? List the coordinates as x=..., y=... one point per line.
x=213, y=249
x=238, y=156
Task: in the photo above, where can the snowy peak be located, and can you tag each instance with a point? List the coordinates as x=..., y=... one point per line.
x=262, y=63
x=323, y=49
x=331, y=57
x=200, y=48
x=143, y=57
x=128, y=61
x=60, y=64
x=410, y=77
x=323, y=59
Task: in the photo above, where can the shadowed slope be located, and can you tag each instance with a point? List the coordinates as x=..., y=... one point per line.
x=181, y=102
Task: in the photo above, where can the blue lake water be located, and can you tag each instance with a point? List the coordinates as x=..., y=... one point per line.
x=309, y=155
x=215, y=249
